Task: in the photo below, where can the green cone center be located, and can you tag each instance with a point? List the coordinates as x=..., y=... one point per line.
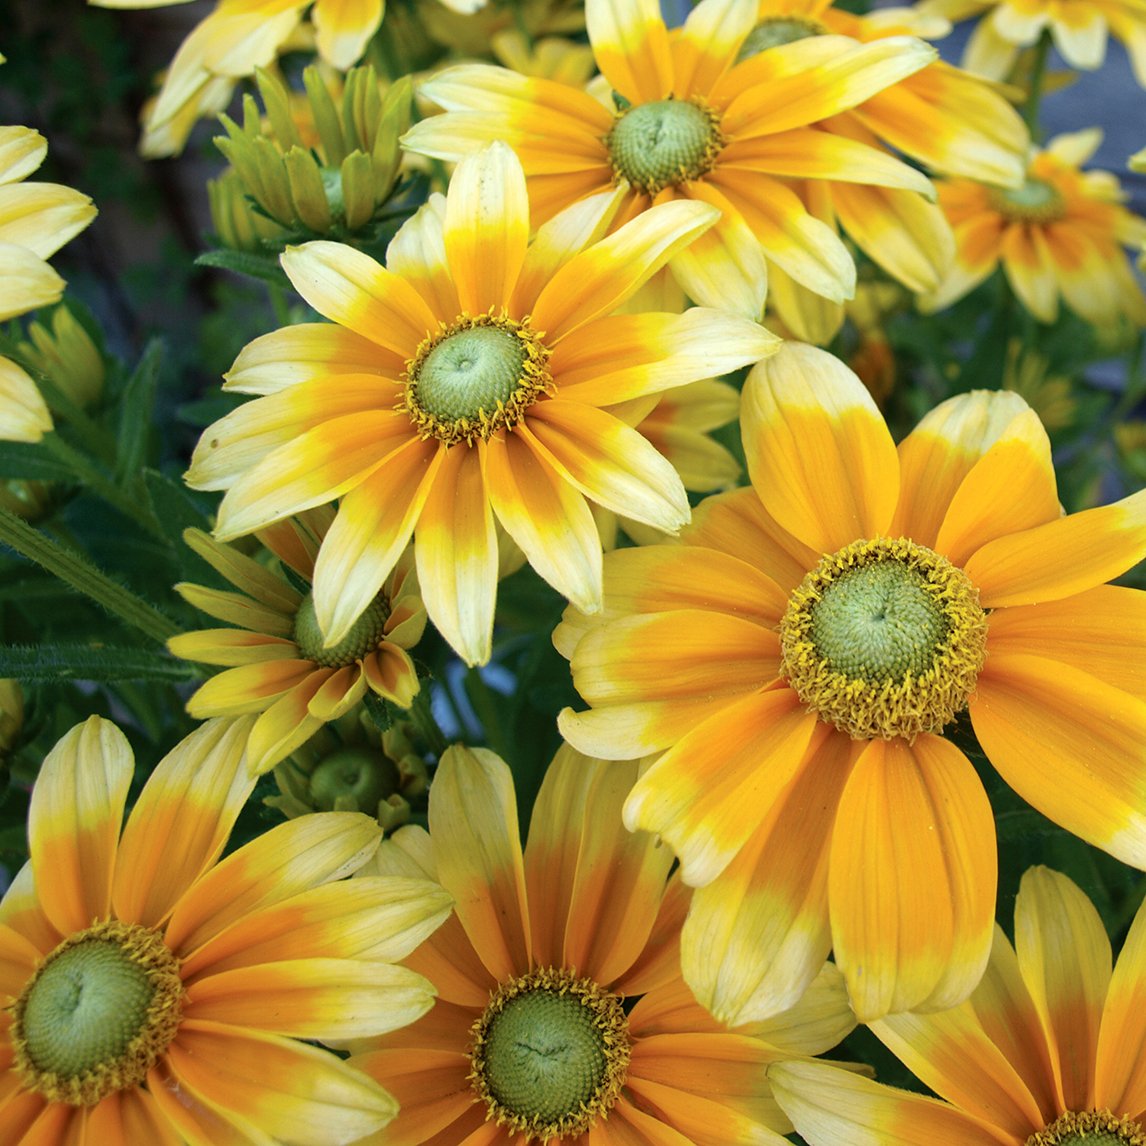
x=353, y=780
x=1090, y=1128
x=550, y=1054
x=878, y=622
x=365, y=634
x=884, y=638
x=1035, y=201
x=471, y=372
x=97, y=1014
x=776, y=31
x=655, y=145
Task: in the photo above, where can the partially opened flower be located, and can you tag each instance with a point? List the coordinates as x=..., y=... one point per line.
x=562, y=1016
x=692, y=123
x=276, y=662
x=36, y=219
x=154, y=995
x=1061, y=234
x=463, y=381
x=798, y=658
x=1049, y=1051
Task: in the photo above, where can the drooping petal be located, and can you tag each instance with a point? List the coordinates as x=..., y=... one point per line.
x=473, y=823
x=248, y=688
x=1070, y=745
x=42, y=217
x=27, y=283
x=74, y=822
x=24, y=415
x=818, y=451
x=182, y=820
x=911, y=880
x=286, y=724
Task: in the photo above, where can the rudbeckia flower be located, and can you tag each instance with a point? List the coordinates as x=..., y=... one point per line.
x=154, y=995
x=276, y=663
x=562, y=1016
x=796, y=660
x=1049, y=1051
x=36, y=219
x=1061, y=233
x=462, y=381
x=1079, y=30
x=694, y=124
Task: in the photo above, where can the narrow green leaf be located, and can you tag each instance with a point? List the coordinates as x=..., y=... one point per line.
x=32, y=461
x=265, y=268
x=54, y=663
x=135, y=413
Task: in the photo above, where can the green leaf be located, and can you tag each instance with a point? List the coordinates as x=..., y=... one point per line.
x=25, y=460
x=90, y=662
x=177, y=510
x=265, y=268
x=381, y=714
x=135, y=413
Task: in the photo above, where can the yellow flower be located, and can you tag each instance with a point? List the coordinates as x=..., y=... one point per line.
x=1079, y=29
x=575, y=942
x=1061, y=233
x=154, y=995
x=1047, y=1052
x=36, y=219
x=798, y=657
x=466, y=381
x=724, y=133
x=278, y=664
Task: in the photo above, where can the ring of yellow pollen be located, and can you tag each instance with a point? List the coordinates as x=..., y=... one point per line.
x=778, y=30
x=1036, y=201
x=663, y=143
x=550, y=1054
x=365, y=634
x=1089, y=1128
x=97, y=1014
x=474, y=377
x=884, y=638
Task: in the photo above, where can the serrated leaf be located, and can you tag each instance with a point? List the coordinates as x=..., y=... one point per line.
x=56, y=662
x=265, y=268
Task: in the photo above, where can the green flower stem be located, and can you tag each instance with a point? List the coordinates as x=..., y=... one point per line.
x=422, y=717
x=1035, y=90
x=102, y=486
x=81, y=575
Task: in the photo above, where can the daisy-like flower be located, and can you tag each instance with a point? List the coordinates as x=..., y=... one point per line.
x=694, y=124
x=466, y=380
x=154, y=995
x=277, y=662
x=797, y=659
x=1049, y=1051
x=36, y=219
x=1078, y=28
x=1061, y=233
x=535, y=1036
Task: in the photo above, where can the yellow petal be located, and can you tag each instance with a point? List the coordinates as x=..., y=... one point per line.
x=230, y=647
x=343, y=29
x=631, y=46
x=74, y=821
x=706, y=46
x=417, y=253
x=22, y=150
x=24, y=415
x=42, y=216
x=27, y=282
x=1120, y=1069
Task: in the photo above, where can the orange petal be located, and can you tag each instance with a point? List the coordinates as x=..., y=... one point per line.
x=707, y=795
x=1070, y=745
x=391, y=674
x=290, y=858
x=1120, y=1070
x=911, y=884
x=21, y=911
x=248, y=688
x=19, y=958
x=705, y=48
x=128, y=1117
x=198, y=1123
x=631, y=46
x=74, y=822
x=286, y=724
x=473, y=823
x=1064, y=958
x=182, y=820
x=1062, y=557
x=819, y=453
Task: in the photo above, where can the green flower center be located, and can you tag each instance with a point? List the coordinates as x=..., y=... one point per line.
x=777, y=30
x=97, y=1014
x=884, y=638
x=1036, y=201
x=657, y=145
x=475, y=377
x=365, y=634
x=1089, y=1128
x=550, y=1054
x=353, y=780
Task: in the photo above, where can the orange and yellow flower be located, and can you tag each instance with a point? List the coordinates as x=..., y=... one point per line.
x=276, y=662
x=1061, y=234
x=1049, y=1051
x=1079, y=30
x=463, y=381
x=797, y=658
x=154, y=995
x=692, y=123
x=36, y=219
x=576, y=943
